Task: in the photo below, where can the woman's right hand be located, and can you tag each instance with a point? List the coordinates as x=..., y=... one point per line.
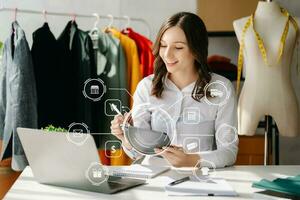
x=117, y=131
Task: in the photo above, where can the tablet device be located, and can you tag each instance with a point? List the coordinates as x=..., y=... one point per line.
x=144, y=140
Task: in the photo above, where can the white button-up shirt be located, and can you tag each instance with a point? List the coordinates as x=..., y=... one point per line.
x=207, y=128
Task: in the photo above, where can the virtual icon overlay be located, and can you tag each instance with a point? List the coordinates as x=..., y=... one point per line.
x=191, y=115
x=194, y=143
x=191, y=145
x=216, y=93
x=204, y=170
x=226, y=135
x=139, y=133
x=94, y=89
x=113, y=107
x=113, y=146
x=78, y=133
x=96, y=174
x=145, y=141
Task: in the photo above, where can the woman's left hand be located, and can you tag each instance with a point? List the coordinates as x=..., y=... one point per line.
x=177, y=157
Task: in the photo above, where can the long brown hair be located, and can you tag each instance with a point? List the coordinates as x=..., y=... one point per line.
x=197, y=40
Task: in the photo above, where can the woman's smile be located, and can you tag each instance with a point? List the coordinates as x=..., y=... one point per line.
x=171, y=64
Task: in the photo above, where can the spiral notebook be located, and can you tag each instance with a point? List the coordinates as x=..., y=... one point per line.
x=137, y=171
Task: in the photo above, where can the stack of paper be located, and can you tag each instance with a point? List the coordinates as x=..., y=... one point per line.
x=215, y=187
x=136, y=171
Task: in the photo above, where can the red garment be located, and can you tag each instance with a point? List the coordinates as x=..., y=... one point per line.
x=218, y=58
x=144, y=46
x=222, y=65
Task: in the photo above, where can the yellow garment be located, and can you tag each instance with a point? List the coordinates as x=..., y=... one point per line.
x=1, y=45
x=119, y=157
x=134, y=74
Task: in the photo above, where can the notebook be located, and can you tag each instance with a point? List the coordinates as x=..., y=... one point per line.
x=216, y=187
x=137, y=171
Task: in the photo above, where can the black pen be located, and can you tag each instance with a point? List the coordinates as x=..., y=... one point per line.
x=179, y=181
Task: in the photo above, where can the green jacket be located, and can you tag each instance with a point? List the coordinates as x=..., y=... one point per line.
x=111, y=69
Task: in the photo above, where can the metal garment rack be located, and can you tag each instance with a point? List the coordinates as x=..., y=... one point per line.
x=74, y=15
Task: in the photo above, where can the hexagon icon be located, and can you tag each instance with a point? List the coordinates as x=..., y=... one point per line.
x=96, y=174
x=78, y=133
x=204, y=170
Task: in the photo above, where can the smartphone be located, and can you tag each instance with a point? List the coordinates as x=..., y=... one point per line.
x=145, y=140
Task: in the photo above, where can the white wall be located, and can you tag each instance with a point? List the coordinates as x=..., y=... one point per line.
x=154, y=12
x=293, y=6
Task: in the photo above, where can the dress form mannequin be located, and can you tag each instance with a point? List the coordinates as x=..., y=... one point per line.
x=267, y=89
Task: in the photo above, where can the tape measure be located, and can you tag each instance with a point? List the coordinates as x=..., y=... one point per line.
x=260, y=42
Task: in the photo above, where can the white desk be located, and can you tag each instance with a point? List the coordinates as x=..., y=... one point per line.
x=239, y=177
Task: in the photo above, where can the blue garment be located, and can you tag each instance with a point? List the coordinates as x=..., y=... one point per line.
x=18, y=96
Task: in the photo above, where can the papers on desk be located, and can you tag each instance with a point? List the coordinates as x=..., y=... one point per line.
x=215, y=187
x=137, y=171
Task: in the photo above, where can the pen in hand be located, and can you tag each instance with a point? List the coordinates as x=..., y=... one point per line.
x=114, y=107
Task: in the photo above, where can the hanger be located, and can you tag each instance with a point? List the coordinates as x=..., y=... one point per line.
x=15, y=14
x=73, y=18
x=95, y=29
x=127, y=24
x=107, y=29
x=14, y=20
x=45, y=16
x=111, y=20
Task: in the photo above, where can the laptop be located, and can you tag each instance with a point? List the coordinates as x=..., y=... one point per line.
x=69, y=160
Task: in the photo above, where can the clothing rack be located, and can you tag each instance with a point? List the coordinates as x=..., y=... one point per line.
x=74, y=15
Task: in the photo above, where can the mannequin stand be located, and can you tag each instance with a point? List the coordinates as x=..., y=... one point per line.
x=271, y=142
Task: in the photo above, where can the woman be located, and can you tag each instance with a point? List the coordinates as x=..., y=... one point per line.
x=183, y=85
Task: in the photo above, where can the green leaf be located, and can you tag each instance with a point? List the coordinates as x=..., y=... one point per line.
x=51, y=128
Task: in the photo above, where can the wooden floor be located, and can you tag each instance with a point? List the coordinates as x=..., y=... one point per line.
x=7, y=177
